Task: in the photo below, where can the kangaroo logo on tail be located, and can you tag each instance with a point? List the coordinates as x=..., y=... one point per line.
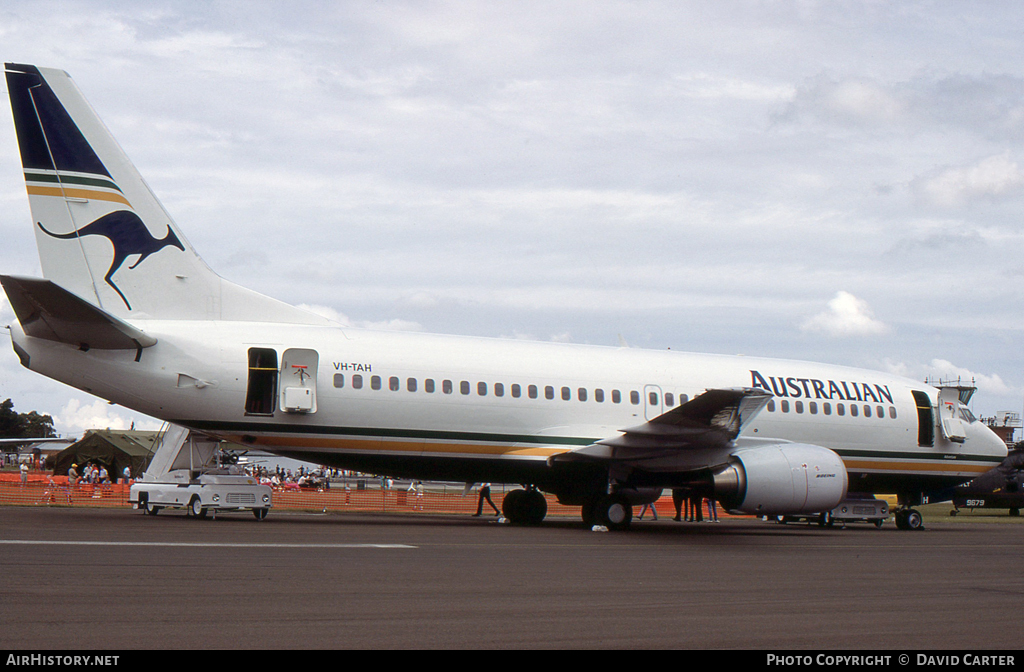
x=128, y=235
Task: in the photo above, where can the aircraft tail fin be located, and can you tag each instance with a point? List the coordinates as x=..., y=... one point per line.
x=101, y=232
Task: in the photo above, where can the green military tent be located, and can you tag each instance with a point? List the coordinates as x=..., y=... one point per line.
x=112, y=448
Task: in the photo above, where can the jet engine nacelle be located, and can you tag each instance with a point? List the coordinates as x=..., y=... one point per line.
x=785, y=478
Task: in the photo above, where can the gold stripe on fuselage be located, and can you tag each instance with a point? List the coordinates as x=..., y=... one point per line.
x=393, y=446
x=946, y=468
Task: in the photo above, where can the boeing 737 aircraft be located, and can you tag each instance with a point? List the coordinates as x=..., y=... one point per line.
x=128, y=311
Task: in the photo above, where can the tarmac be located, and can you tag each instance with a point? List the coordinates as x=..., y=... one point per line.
x=114, y=579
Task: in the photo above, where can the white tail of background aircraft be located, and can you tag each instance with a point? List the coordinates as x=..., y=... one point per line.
x=128, y=311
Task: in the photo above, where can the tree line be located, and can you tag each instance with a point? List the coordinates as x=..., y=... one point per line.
x=31, y=425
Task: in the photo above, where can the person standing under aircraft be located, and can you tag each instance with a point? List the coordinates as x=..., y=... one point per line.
x=712, y=510
x=654, y=511
x=678, y=497
x=485, y=494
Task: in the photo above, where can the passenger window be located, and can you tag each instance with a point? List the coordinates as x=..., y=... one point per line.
x=410, y=384
x=683, y=398
x=393, y=384
x=670, y=399
x=499, y=390
x=599, y=395
x=813, y=407
x=532, y=391
x=339, y=380
x=853, y=410
x=771, y=406
x=785, y=406
x=549, y=392
x=879, y=411
x=481, y=389
x=464, y=387
x=566, y=394
x=582, y=394
x=516, y=390
x=428, y=385
x=652, y=398
x=867, y=411
x=616, y=397
x=374, y=382
x=634, y=397
x=357, y=381
x=827, y=407
x=446, y=386
x=892, y=412
x=840, y=409
x=799, y=406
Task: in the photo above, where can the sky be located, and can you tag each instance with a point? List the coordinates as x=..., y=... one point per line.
x=828, y=181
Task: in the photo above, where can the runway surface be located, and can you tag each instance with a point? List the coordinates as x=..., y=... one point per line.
x=115, y=579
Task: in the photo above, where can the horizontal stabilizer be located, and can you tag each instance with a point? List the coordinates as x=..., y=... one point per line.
x=710, y=420
x=48, y=311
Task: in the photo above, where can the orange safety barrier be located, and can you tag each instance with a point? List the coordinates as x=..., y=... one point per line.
x=57, y=492
x=43, y=490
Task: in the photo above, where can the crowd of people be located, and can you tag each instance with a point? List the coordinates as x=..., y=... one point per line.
x=95, y=473
x=279, y=478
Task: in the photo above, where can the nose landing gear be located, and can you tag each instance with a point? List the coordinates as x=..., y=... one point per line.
x=909, y=519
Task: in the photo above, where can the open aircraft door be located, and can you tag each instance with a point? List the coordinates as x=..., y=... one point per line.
x=949, y=415
x=298, y=380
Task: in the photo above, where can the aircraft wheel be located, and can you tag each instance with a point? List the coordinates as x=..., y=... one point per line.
x=259, y=513
x=510, y=505
x=614, y=512
x=587, y=512
x=524, y=507
x=909, y=519
x=533, y=507
x=150, y=509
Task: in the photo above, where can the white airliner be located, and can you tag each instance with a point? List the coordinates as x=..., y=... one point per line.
x=128, y=311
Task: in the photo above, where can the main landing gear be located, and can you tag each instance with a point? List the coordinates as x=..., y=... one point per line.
x=524, y=507
x=613, y=511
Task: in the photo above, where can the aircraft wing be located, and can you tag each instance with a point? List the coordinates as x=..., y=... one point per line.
x=710, y=420
x=48, y=311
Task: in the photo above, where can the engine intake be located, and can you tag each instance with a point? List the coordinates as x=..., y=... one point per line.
x=782, y=478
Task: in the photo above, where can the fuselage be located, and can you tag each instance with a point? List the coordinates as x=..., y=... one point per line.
x=479, y=409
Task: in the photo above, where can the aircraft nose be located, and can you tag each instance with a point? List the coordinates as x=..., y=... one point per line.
x=990, y=443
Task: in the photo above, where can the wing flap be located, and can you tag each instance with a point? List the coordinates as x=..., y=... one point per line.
x=48, y=311
x=710, y=420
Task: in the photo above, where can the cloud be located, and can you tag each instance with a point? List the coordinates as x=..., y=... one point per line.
x=942, y=370
x=76, y=418
x=856, y=100
x=846, y=315
x=343, y=320
x=946, y=371
x=991, y=178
